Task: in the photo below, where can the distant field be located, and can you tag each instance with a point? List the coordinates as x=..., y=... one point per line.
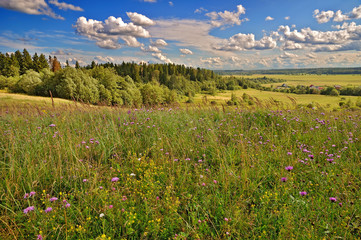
x=222, y=98
x=11, y=98
x=317, y=80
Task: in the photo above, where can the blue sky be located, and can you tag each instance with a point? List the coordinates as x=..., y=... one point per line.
x=249, y=34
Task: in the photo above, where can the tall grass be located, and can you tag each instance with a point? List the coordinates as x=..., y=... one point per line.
x=161, y=173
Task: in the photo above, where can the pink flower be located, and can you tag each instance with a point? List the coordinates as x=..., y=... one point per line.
x=32, y=193
x=203, y=184
x=67, y=205
x=40, y=237
x=52, y=125
x=333, y=199
x=85, y=180
x=289, y=168
x=283, y=179
x=303, y=193
x=215, y=181
x=110, y=206
x=26, y=195
x=115, y=179
x=226, y=219
x=29, y=209
x=49, y=209
x=53, y=199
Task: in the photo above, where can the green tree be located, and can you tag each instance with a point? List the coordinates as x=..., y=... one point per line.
x=29, y=82
x=26, y=63
x=36, y=66
x=43, y=63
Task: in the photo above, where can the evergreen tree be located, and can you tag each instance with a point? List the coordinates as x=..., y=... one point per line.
x=67, y=63
x=42, y=62
x=36, y=66
x=77, y=66
x=26, y=62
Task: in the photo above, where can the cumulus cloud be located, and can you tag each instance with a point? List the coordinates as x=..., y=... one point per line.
x=139, y=19
x=34, y=7
x=241, y=42
x=171, y=3
x=287, y=18
x=107, y=33
x=65, y=6
x=104, y=59
x=338, y=16
x=186, y=51
x=159, y=43
x=227, y=18
x=60, y=52
x=212, y=61
x=288, y=55
x=161, y=57
x=290, y=45
x=151, y=49
x=269, y=18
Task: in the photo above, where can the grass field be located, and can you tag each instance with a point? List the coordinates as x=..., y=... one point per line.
x=22, y=99
x=196, y=173
x=329, y=102
x=317, y=80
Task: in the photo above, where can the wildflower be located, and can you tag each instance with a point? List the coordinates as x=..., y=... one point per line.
x=199, y=221
x=289, y=153
x=101, y=215
x=115, y=179
x=226, y=219
x=132, y=174
x=203, y=184
x=215, y=181
x=100, y=187
x=67, y=205
x=340, y=204
x=40, y=237
x=289, y=168
x=110, y=206
x=53, y=199
x=29, y=209
x=283, y=179
x=85, y=180
x=303, y=193
x=333, y=199
x=49, y=209
x=330, y=160
x=26, y=195
x=32, y=193
x=52, y=125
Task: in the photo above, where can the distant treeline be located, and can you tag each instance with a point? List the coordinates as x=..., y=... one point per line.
x=356, y=70
x=129, y=84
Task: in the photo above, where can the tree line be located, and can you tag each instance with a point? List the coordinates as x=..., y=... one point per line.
x=128, y=84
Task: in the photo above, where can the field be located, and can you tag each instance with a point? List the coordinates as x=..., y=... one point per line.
x=267, y=98
x=75, y=172
x=317, y=80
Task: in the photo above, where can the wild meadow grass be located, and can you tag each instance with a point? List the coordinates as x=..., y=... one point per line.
x=162, y=173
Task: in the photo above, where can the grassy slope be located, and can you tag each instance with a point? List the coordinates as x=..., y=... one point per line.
x=317, y=80
x=183, y=174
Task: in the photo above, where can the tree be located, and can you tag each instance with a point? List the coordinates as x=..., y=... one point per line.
x=27, y=62
x=36, y=66
x=55, y=64
x=42, y=62
x=77, y=66
x=29, y=81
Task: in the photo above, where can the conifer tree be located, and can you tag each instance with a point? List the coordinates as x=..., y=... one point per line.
x=42, y=62
x=26, y=62
x=36, y=66
x=55, y=64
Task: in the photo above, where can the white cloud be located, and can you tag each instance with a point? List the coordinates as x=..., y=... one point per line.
x=104, y=59
x=241, y=42
x=65, y=6
x=290, y=45
x=186, y=51
x=288, y=55
x=287, y=18
x=159, y=43
x=324, y=16
x=212, y=61
x=151, y=1
x=139, y=19
x=269, y=18
x=34, y=7
x=227, y=18
x=200, y=10
x=171, y=3
x=107, y=33
x=151, y=49
x=161, y=57
x=60, y=52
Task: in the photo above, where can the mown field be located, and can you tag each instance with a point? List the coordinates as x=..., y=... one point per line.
x=311, y=79
x=75, y=172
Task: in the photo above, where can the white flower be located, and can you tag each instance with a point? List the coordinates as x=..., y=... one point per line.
x=132, y=174
x=101, y=215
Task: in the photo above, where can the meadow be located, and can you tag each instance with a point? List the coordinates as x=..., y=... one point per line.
x=313, y=79
x=79, y=172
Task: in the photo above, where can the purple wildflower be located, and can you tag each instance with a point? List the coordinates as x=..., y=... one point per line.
x=289, y=153
x=283, y=179
x=52, y=125
x=333, y=199
x=26, y=195
x=303, y=193
x=49, y=209
x=53, y=199
x=115, y=179
x=85, y=180
x=40, y=237
x=67, y=205
x=289, y=168
x=29, y=209
x=32, y=193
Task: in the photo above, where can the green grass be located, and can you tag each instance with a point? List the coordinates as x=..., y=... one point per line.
x=193, y=173
x=287, y=99
x=317, y=80
x=7, y=99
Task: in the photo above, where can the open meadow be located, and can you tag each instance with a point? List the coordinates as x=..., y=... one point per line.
x=78, y=172
x=313, y=79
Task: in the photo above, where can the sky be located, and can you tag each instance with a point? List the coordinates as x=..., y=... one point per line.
x=213, y=34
